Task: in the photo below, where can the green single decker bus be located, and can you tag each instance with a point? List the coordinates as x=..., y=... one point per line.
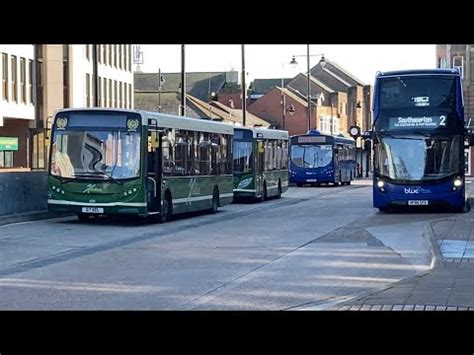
x=131, y=162
x=260, y=163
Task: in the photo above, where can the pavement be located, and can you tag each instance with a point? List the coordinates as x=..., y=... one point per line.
x=447, y=286
x=29, y=216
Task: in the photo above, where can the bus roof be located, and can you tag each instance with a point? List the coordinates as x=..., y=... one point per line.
x=440, y=71
x=266, y=132
x=168, y=121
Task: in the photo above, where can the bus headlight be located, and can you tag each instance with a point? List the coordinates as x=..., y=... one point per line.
x=457, y=182
x=380, y=184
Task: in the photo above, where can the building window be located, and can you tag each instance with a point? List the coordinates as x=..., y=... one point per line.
x=130, y=104
x=121, y=96
x=120, y=56
x=115, y=94
x=125, y=57
x=111, y=47
x=99, y=88
x=125, y=96
x=5, y=75
x=109, y=99
x=88, y=54
x=458, y=62
x=14, y=80
x=30, y=81
x=23, y=80
x=129, y=58
x=99, y=52
x=6, y=159
x=442, y=62
x=325, y=124
x=65, y=75
x=106, y=54
x=88, y=89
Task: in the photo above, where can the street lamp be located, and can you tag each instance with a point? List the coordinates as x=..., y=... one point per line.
x=161, y=80
x=323, y=63
x=244, y=91
x=183, y=83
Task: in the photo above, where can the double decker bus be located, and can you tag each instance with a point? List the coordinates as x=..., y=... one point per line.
x=260, y=163
x=317, y=158
x=131, y=162
x=418, y=139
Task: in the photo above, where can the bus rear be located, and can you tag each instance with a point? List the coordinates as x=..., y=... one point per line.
x=418, y=140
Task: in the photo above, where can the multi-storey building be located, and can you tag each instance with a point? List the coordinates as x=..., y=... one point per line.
x=38, y=80
x=461, y=56
x=17, y=112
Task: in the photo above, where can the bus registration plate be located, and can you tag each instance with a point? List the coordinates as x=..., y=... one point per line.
x=311, y=180
x=418, y=202
x=92, y=210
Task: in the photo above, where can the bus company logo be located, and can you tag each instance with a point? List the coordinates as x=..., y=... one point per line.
x=92, y=188
x=133, y=124
x=416, y=190
x=61, y=123
x=245, y=183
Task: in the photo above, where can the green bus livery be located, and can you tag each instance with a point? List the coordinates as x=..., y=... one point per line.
x=132, y=162
x=260, y=163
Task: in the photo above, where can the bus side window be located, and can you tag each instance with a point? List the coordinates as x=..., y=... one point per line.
x=167, y=153
x=181, y=152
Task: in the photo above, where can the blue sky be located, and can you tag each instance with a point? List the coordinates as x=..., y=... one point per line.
x=272, y=61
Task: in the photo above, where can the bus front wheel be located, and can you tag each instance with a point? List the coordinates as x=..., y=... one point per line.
x=166, y=209
x=215, y=200
x=82, y=217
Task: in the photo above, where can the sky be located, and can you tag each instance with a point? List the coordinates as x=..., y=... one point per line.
x=273, y=61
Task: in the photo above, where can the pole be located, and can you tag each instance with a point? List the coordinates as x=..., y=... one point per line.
x=309, y=91
x=183, y=83
x=283, y=110
x=159, y=90
x=244, y=96
x=95, y=74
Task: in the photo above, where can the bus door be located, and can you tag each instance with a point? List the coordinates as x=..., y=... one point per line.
x=154, y=171
x=260, y=167
x=337, y=163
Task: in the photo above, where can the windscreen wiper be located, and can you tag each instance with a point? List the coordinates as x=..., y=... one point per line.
x=109, y=177
x=77, y=177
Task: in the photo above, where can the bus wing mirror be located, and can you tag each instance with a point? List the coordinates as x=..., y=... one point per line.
x=367, y=135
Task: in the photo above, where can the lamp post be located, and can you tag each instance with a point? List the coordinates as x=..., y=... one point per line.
x=244, y=93
x=183, y=84
x=322, y=62
x=161, y=80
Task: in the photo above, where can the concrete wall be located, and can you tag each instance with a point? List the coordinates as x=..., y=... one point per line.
x=22, y=192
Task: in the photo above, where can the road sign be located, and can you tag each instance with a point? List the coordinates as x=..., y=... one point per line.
x=8, y=143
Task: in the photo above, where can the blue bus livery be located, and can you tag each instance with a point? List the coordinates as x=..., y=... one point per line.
x=317, y=158
x=418, y=139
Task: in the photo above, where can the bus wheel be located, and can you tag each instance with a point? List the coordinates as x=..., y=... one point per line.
x=82, y=217
x=279, y=189
x=299, y=184
x=215, y=200
x=264, y=194
x=166, y=209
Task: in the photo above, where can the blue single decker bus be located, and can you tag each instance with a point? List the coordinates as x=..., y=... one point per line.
x=317, y=158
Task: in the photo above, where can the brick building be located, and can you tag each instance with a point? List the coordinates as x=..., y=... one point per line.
x=461, y=56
